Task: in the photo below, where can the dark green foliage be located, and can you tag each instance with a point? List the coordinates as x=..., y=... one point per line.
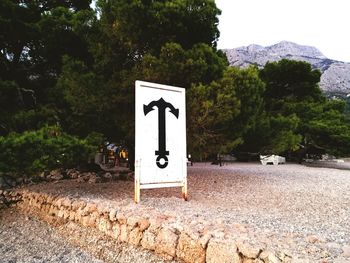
x=18, y=111
x=63, y=32
x=92, y=103
x=33, y=119
x=9, y=97
x=290, y=80
x=145, y=26
x=298, y=113
x=17, y=31
x=347, y=106
x=225, y=110
x=108, y=101
x=200, y=64
x=330, y=129
x=35, y=34
x=281, y=134
x=81, y=67
x=95, y=139
x=49, y=148
x=211, y=110
x=249, y=90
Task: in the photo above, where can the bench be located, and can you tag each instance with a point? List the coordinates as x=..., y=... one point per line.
x=273, y=159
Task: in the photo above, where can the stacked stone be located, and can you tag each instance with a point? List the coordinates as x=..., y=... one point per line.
x=8, y=197
x=165, y=235
x=90, y=177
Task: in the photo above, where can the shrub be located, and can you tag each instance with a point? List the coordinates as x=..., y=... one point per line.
x=32, y=152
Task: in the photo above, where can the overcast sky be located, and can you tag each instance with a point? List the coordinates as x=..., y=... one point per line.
x=324, y=24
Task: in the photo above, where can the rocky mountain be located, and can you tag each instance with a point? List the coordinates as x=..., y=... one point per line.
x=335, y=78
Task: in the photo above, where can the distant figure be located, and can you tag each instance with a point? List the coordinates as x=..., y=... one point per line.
x=219, y=159
x=189, y=159
x=116, y=150
x=131, y=157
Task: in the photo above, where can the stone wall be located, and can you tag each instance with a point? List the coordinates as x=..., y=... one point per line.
x=8, y=198
x=165, y=235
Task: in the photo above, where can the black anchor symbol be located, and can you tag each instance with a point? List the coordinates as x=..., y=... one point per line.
x=161, y=104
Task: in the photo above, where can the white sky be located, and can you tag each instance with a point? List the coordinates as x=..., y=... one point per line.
x=324, y=24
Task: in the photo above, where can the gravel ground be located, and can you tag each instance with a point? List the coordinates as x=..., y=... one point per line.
x=330, y=164
x=302, y=210
x=25, y=239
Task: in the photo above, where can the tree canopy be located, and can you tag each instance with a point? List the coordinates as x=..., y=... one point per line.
x=66, y=65
x=293, y=96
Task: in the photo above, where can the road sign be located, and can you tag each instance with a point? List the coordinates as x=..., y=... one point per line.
x=160, y=137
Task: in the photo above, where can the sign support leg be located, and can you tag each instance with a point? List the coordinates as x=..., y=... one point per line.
x=184, y=191
x=137, y=191
x=137, y=181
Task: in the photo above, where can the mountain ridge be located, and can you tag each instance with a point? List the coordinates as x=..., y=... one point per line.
x=335, y=77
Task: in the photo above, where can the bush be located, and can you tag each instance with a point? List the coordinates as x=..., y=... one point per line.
x=49, y=148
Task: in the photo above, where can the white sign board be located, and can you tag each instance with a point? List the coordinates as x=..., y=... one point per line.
x=160, y=137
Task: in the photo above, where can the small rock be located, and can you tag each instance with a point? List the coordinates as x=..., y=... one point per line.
x=149, y=240
x=94, y=179
x=346, y=251
x=55, y=175
x=123, y=176
x=337, y=260
x=269, y=257
x=284, y=256
x=72, y=173
x=132, y=221
x=248, y=250
x=143, y=224
x=124, y=233
x=250, y=260
x=104, y=225
x=90, y=208
x=67, y=202
x=83, y=179
x=240, y=227
x=190, y=250
x=220, y=251
x=131, y=176
x=166, y=242
x=314, y=239
x=204, y=239
x=19, y=181
x=107, y=176
x=333, y=245
x=7, y=182
x=135, y=236
x=116, y=231
x=121, y=218
x=113, y=215
x=103, y=209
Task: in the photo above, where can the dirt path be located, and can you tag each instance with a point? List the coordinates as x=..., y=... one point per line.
x=25, y=239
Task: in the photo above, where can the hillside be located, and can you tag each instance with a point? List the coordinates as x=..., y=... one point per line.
x=335, y=78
